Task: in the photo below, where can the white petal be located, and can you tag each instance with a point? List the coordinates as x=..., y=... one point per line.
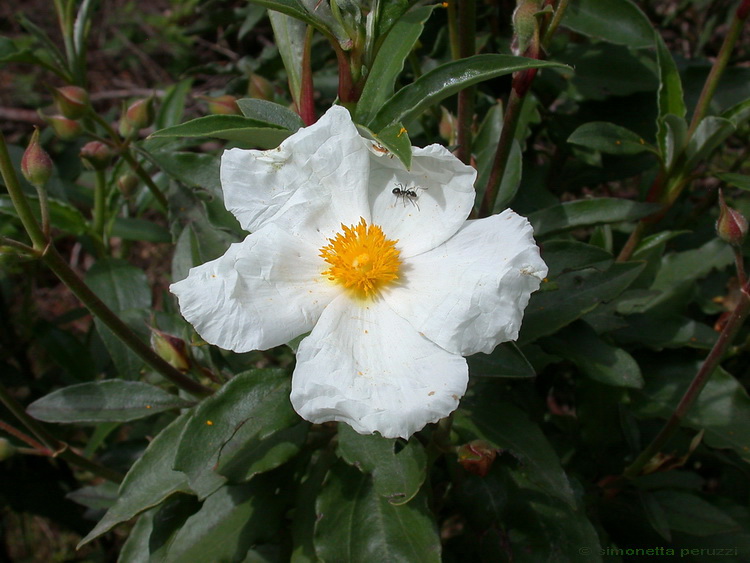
x=262, y=293
x=445, y=195
x=366, y=366
x=469, y=294
x=321, y=171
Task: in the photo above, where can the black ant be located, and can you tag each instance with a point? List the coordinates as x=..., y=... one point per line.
x=407, y=193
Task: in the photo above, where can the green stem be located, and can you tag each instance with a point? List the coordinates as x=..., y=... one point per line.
x=58, y=448
x=712, y=82
x=100, y=210
x=453, y=33
x=696, y=386
x=510, y=122
x=466, y=47
x=65, y=273
x=555, y=23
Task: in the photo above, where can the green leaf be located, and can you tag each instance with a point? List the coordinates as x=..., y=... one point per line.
x=564, y=256
x=62, y=215
x=104, y=401
x=659, y=331
x=670, y=99
x=389, y=62
x=596, y=358
x=395, y=140
x=149, y=481
x=609, y=138
x=588, y=212
x=595, y=18
x=9, y=53
x=120, y=285
x=290, y=34
x=271, y=113
x=722, y=394
x=675, y=138
x=446, y=80
x=738, y=113
x=741, y=181
x=230, y=522
x=506, y=360
x=252, y=406
x=482, y=416
x=686, y=512
x=397, y=474
x=130, y=228
x=710, y=133
x=578, y=293
x=250, y=132
x=355, y=523
x=172, y=106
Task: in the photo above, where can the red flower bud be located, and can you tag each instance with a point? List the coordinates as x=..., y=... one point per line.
x=170, y=348
x=127, y=184
x=139, y=115
x=66, y=129
x=260, y=88
x=72, y=101
x=731, y=225
x=36, y=165
x=222, y=105
x=96, y=155
x=477, y=457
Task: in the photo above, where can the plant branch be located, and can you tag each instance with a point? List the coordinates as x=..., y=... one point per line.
x=466, y=48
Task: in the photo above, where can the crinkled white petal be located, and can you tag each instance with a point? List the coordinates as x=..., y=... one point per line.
x=368, y=367
x=261, y=293
x=444, y=187
x=319, y=172
x=469, y=294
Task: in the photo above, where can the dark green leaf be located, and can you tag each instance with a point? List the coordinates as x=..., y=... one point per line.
x=250, y=132
x=482, y=416
x=686, y=512
x=741, y=181
x=670, y=97
x=172, y=105
x=446, y=80
x=711, y=132
x=149, y=481
x=588, y=212
x=609, y=138
x=397, y=475
x=104, y=401
x=595, y=18
x=355, y=523
x=569, y=255
x=62, y=215
x=506, y=360
x=595, y=358
x=394, y=139
x=739, y=113
x=659, y=331
x=270, y=113
x=120, y=285
x=389, y=62
x=98, y=497
x=130, y=228
x=230, y=522
x=254, y=404
x=675, y=137
x=665, y=386
x=290, y=33
x=578, y=293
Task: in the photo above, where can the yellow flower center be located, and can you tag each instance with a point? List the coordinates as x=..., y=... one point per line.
x=361, y=259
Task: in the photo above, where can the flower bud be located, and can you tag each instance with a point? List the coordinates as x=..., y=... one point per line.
x=260, y=88
x=222, y=105
x=96, y=155
x=525, y=25
x=477, y=457
x=139, y=115
x=66, y=129
x=731, y=225
x=6, y=449
x=36, y=165
x=72, y=101
x=170, y=348
x=448, y=126
x=127, y=183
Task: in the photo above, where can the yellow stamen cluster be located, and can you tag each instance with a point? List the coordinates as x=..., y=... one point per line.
x=362, y=259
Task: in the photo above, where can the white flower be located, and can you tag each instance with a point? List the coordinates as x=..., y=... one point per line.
x=378, y=263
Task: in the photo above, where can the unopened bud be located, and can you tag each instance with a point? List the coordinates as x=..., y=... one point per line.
x=127, y=183
x=447, y=126
x=96, y=155
x=72, y=101
x=260, y=88
x=477, y=457
x=66, y=129
x=731, y=226
x=525, y=25
x=222, y=105
x=139, y=115
x=6, y=449
x=36, y=165
x=170, y=348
